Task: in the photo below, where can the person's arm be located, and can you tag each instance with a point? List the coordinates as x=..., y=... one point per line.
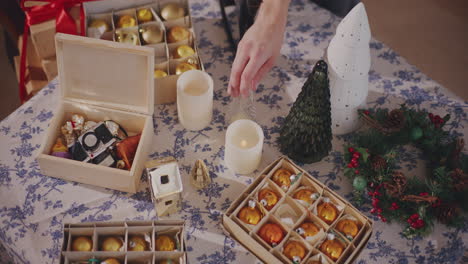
x=259, y=48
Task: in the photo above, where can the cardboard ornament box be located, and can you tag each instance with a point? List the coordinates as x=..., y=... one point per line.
x=295, y=212
x=102, y=80
x=110, y=10
x=124, y=230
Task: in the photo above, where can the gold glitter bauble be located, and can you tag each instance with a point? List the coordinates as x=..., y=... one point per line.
x=348, y=227
x=271, y=233
x=164, y=243
x=183, y=51
x=185, y=66
x=127, y=37
x=110, y=261
x=267, y=198
x=126, y=21
x=151, y=34
x=177, y=33
x=305, y=195
x=137, y=243
x=282, y=177
x=307, y=229
x=327, y=212
x=159, y=74
x=111, y=244
x=172, y=11
x=332, y=248
x=99, y=24
x=144, y=15
x=250, y=215
x=294, y=251
x=82, y=243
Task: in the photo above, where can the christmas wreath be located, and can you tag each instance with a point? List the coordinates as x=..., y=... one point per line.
x=372, y=163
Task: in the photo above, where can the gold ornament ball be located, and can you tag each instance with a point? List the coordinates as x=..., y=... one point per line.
x=348, y=227
x=267, y=198
x=137, y=243
x=111, y=244
x=82, y=243
x=172, y=11
x=183, y=51
x=164, y=243
x=144, y=15
x=127, y=37
x=159, y=74
x=304, y=195
x=126, y=21
x=271, y=233
x=177, y=33
x=294, y=251
x=307, y=229
x=250, y=215
x=282, y=177
x=327, y=212
x=185, y=66
x=151, y=34
x=332, y=248
x=110, y=261
x=99, y=24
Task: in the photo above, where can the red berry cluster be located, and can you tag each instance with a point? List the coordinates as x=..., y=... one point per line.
x=354, y=163
x=366, y=112
x=415, y=221
x=394, y=206
x=436, y=120
x=375, y=203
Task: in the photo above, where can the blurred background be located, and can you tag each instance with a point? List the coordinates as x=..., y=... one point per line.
x=430, y=34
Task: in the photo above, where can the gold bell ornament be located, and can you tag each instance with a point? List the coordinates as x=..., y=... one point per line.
x=177, y=33
x=306, y=195
x=126, y=21
x=267, y=198
x=307, y=229
x=348, y=227
x=172, y=11
x=112, y=243
x=159, y=74
x=183, y=51
x=127, y=37
x=332, y=248
x=250, y=214
x=164, y=243
x=137, y=243
x=327, y=212
x=82, y=243
x=144, y=15
x=294, y=251
x=271, y=233
x=151, y=34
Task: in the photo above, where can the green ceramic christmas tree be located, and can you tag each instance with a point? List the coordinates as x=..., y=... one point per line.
x=306, y=132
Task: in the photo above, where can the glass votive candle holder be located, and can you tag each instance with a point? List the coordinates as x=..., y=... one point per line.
x=244, y=144
x=195, y=99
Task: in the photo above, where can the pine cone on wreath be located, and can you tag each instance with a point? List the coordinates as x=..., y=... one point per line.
x=445, y=213
x=397, y=186
x=459, y=180
x=395, y=120
x=378, y=163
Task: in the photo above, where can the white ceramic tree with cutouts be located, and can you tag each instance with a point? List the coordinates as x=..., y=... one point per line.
x=348, y=58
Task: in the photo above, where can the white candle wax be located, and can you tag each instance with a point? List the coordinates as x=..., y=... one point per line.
x=195, y=99
x=244, y=144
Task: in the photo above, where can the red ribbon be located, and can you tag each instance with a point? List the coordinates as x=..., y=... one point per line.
x=64, y=23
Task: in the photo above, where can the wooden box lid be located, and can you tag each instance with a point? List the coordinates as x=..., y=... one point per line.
x=105, y=73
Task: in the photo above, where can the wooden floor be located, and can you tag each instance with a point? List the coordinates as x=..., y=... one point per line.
x=431, y=34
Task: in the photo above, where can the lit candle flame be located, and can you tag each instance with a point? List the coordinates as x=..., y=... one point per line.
x=243, y=143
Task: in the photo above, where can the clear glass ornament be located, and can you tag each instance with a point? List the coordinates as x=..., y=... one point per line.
x=243, y=108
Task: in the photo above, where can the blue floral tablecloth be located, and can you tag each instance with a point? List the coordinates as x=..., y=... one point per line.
x=33, y=207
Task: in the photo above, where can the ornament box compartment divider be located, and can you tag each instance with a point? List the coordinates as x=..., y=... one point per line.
x=124, y=230
x=248, y=235
x=165, y=87
x=90, y=85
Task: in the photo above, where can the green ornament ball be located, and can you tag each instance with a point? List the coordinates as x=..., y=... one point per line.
x=416, y=133
x=359, y=183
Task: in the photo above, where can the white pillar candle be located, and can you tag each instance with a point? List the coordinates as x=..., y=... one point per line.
x=244, y=144
x=195, y=99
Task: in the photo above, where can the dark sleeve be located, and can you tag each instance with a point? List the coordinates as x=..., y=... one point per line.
x=338, y=7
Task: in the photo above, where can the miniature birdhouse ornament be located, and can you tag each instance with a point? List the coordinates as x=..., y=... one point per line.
x=166, y=185
x=348, y=58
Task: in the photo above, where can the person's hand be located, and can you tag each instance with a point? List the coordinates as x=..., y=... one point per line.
x=259, y=47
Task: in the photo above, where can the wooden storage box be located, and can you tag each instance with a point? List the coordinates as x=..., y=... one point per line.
x=248, y=236
x=98, y=231
x=102, y=80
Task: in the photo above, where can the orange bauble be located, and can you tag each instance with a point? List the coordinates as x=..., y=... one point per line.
x=282, y=177
x=332, y=248
x=250, y=215
x=348, y=227
x=307, y=229
x=294, y=251
x=327, y=212
x=267, y=198
x=271, y=233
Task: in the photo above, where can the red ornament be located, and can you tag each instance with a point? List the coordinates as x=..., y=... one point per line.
x=424, y=194
x=351, y=150
x=356, y=155
x=394, y=206
x=350, y=165
x=356, y=171
x=366, y=112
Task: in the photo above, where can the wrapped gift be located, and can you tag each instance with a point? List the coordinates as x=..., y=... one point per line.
x=305, y=223
x=160, y=241
x=95, y=89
